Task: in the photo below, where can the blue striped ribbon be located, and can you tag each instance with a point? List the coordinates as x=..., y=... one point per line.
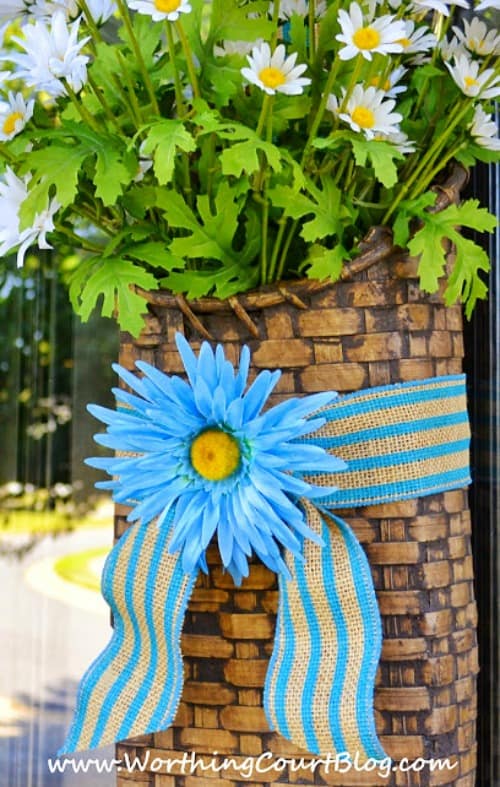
x=398, y=441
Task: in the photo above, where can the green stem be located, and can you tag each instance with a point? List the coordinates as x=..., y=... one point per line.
x=318, y=117
x=358, y=67
x=428, y=158
x=189, y=58
x=124, y=13
x=284, y=253
x=82, y=243
x=6, y=154
x=177, y=82
x=266, y=106
x=102, y=101
x=96, y=33
x=87, y=213
x=263, y=176
x=423, y=185
x=283, y=221
x=275, y=24
x=130, y=98
x=312, y=31
x=82, y=111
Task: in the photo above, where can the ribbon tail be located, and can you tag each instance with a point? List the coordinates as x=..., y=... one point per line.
x=321, y=676
x=135, y=685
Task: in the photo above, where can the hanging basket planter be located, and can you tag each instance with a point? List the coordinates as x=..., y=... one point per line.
x=374, y=328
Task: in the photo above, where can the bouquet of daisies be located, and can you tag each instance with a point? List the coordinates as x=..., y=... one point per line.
x=212, y=147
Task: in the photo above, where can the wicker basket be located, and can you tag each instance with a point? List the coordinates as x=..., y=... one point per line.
x=373, y=328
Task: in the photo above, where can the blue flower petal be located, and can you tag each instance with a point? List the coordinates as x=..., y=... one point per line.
x=131, y=380
x=188, y=357
x=207, y=370
x=242, y=376
x=258, y=392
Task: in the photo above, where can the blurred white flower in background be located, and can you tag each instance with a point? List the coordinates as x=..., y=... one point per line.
x=14, y=114
x=13, y=192
x=484, y=130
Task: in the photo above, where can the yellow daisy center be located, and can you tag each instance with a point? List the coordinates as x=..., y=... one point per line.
x=9, y=125
x=470, y=81
x=366, y=38
x=215, y=454
x=363, y=117
x=167, y=6
x=272, y=77
x=381, y=84
x=405, y=42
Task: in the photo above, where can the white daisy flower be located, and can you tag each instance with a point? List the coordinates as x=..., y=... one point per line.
x=369, y=112
x=14, y=115
x=13, y=192
x=438, y=5
x=466, y=74
x=416, y=39
x=478, y=38
x=275, y=73
x=10, y=10
x=52, y=55
x=390, y=84
x=452, y=48
x=400, y=140
x=100, y=10
x=45, y=9
x=289, y=8
x=484, y=130
x=365, y=37
x=228, y=48
x=159, y=10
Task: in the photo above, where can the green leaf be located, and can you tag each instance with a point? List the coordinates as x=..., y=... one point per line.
x=464, y=281
x=51, y=167
x=326, y=263
x=245, y=22
x=408, y=210
x=154, y=253
x=243, y=156
x=56, y=166
x=112, y=279
x=164, y=139
x=324, y=205
x=382, y=156
x=209, y=239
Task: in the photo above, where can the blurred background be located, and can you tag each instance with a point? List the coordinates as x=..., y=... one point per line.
x=55, y=530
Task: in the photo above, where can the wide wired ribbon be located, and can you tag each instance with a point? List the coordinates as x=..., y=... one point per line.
x=399, y=442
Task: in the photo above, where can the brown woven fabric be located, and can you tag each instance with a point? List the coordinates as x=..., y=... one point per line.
x=377, y=330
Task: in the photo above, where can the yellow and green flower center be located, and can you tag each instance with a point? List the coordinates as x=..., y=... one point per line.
x=9, y=125
x=366, y=38
x=167, y=6
x=215, y=454
x=380, y=83
x=405, y=42
x=272, y=77
x=470, y=82
x=363, y=117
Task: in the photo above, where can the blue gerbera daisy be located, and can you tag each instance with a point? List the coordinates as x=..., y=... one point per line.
x=205, y=454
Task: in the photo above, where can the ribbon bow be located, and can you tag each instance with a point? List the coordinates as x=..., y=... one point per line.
x=199, y=459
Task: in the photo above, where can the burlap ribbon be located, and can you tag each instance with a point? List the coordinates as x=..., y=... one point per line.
x=399, y=441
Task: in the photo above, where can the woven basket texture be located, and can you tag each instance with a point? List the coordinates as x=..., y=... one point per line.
x=376, y=329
